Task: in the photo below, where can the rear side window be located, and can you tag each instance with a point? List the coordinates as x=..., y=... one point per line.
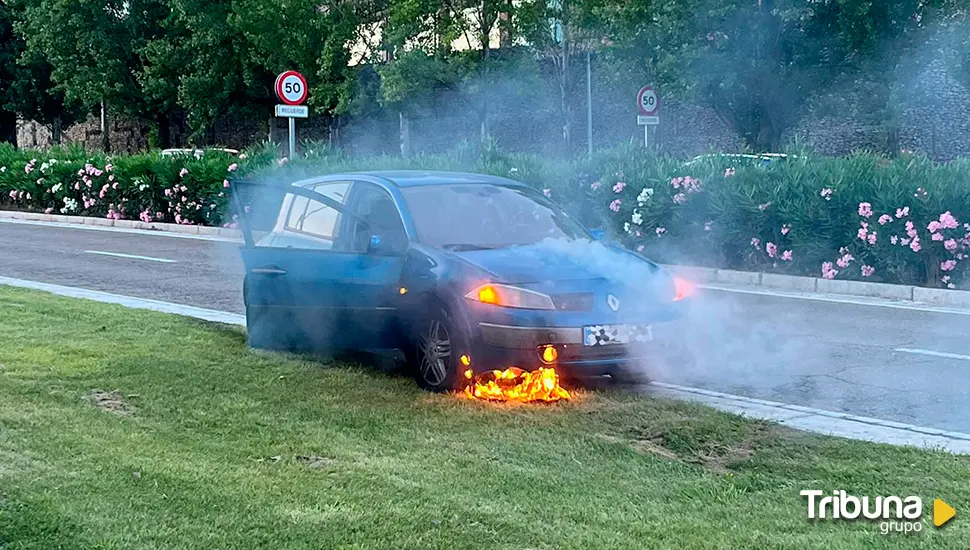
x=314, y=218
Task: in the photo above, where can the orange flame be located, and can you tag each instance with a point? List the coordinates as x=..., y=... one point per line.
x=515, y=384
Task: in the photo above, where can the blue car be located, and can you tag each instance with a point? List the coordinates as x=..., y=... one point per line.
x=463, y=273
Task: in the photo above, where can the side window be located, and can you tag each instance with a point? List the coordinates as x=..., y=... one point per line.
x=376, y=206
x=315, y=219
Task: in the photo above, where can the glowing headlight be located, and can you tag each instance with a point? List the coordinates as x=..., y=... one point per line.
x=510, y=296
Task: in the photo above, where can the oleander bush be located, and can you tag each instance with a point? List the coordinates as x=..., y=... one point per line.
x=864, y=217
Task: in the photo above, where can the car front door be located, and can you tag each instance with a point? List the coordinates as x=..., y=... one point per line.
x=313, y=283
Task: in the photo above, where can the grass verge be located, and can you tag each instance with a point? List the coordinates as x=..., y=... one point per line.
x=132, y=429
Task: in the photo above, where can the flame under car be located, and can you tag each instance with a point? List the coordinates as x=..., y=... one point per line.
x=466, y=274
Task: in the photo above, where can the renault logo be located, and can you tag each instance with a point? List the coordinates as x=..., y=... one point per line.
x=613, y=302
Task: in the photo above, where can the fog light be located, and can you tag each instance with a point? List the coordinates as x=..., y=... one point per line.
x=465, y=360
x=549, y=354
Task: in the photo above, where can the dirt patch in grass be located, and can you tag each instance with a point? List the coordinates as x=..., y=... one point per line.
x=111, y=401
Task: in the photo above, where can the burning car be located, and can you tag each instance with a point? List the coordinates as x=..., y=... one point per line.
x=466, y=274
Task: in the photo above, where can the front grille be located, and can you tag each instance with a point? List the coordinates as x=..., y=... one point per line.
x=573, y=302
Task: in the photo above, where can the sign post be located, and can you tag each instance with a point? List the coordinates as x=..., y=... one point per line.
x=648, y=107
x=291, y=89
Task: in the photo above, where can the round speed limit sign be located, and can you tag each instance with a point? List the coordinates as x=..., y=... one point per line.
x=647, y=101
x=291, y=88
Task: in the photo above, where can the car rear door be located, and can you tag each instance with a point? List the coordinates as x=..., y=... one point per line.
x=309, y=285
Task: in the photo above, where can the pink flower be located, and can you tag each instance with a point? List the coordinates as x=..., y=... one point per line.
x=934, y=226
x=691, y=185
x=771, y=249
x=546, y=192
x=108, y=167
x=28, y=169
x=785, y=229
x=786, y=255
x=145, y=216
x=764, y=206
x=910, y=230
x=884, y=219
x=225, y=183
x=948, y=265
x=828, y=272
x=661, y=230
x=950, y=244
x=168, y=192
x=680, y=198
x=676, y=182
x=948, y=221
x=826, y=194
x=902, y=212
x=865, y=209
x=945, y=278
x=183, y=188
x=232, y=167
x=756, y=242
x=707, y=226
x=615, y=205
x=937, y=236
x=595, y=185
x=77, y=185
x=872, y=238
x=618, y=188
x=178, y=218
x=729, y=172
x=951, y=286
x=182, y=172
x=640, y=248
x=904, y=242
x=868, y=270
x=914, y=245
x=102, y=193
x=48, y=210
x=111, y=177
x=844, y=261
x=894, y=239
x=114, y=185
x=862, y=234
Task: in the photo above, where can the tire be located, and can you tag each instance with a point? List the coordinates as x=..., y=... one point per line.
x=434, y=351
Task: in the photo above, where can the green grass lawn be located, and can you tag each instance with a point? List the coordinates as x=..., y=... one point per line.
x=209, y=445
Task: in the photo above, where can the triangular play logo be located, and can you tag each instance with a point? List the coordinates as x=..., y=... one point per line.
x=942, y=512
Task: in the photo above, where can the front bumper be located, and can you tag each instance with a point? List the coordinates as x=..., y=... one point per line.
x=503, y=346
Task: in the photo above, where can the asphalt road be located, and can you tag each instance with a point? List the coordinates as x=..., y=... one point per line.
x=827, y=355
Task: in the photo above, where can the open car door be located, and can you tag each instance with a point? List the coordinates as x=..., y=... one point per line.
x=312, y=283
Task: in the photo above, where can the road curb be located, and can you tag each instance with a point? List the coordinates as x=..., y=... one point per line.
x=224, y=232
x=814, y=285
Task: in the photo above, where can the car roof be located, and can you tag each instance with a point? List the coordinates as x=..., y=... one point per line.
x=415, y=178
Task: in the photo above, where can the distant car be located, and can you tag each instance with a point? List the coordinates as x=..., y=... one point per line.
x=461, y=272
x=197, y=153
x=738, y=158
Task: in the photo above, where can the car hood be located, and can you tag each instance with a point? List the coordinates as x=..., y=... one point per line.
x=553, y=260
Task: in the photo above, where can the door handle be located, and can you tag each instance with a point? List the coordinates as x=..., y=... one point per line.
x=272, y=270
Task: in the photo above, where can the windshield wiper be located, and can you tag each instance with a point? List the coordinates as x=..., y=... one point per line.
x=462, y=247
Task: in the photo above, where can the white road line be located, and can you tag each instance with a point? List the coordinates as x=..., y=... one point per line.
x=851, y=300
x=129, y=301
x=143, y=232
x=130, y=256
x=795, y=416
x=934, y=353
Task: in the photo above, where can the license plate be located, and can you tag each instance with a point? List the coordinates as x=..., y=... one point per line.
x=604, y=335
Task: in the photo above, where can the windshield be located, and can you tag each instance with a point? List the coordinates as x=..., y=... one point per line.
x=480, y=216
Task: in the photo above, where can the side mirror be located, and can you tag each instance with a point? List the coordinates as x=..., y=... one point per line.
x=598, y=234
x=375, y=245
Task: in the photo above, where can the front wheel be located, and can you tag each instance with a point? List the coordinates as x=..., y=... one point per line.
x=435, y=351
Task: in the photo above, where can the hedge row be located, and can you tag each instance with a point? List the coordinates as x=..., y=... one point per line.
x=862, y=217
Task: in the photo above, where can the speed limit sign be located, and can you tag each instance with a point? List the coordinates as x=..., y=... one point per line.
x=291, y=88
x=647, y=101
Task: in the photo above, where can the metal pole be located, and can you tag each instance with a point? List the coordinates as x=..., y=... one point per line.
x=292, y=137
x=646, y=135
x=589, y=106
